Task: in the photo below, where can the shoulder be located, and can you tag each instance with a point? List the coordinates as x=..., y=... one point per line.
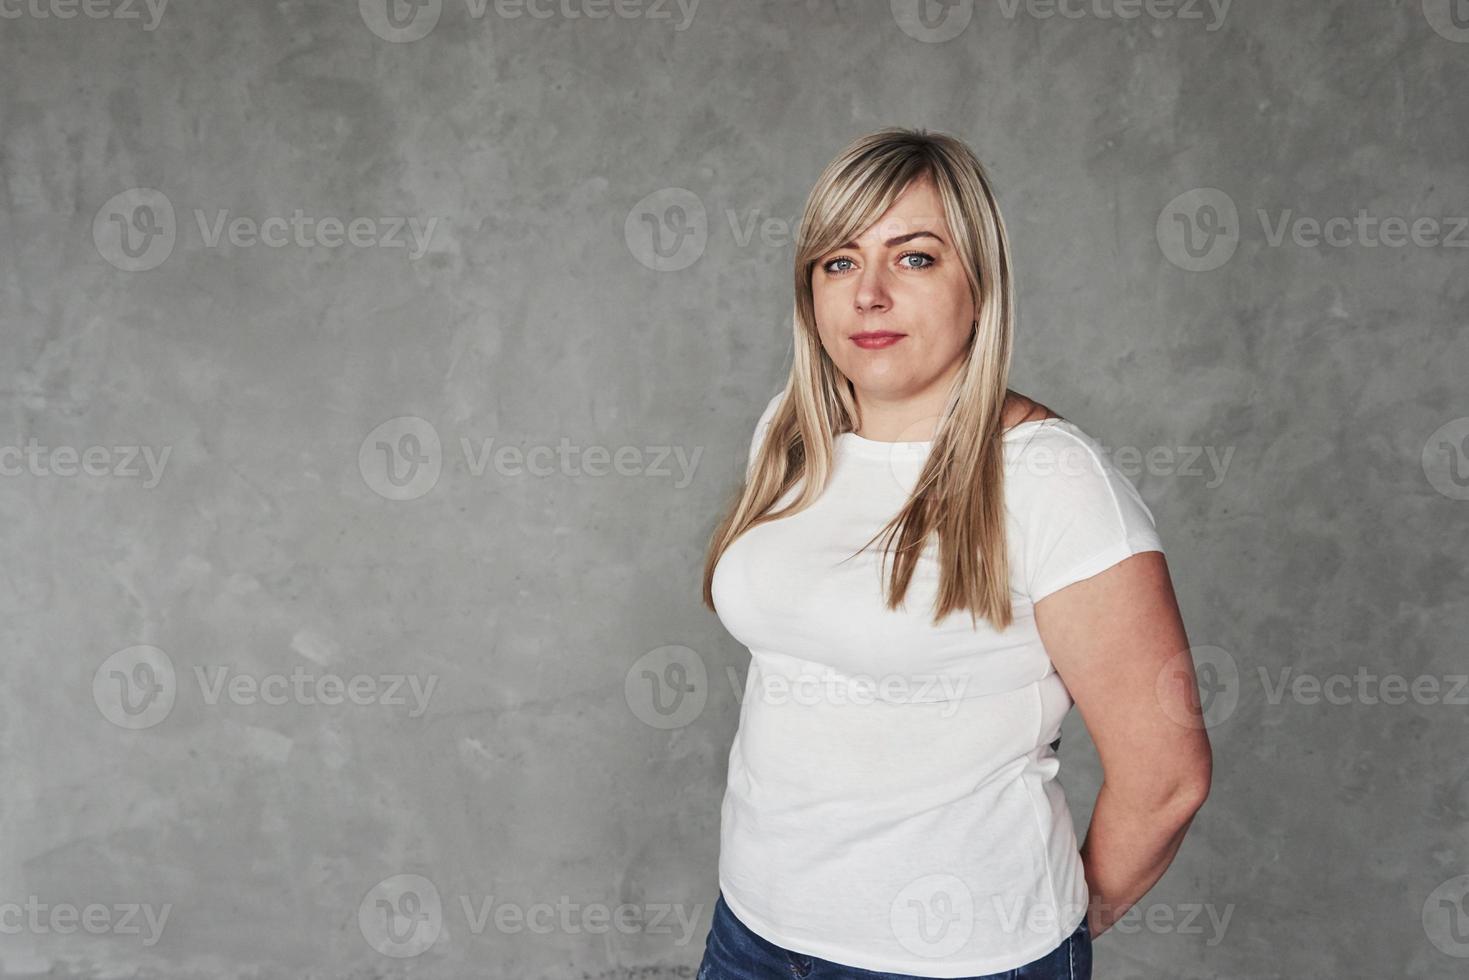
x=1055, y=455
x=763, y=423
x=1057, y=472
x=768, y=412
x=1074, y=510
x=1018, y=409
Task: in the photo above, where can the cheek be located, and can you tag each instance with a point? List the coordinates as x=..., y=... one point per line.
x=827, y=306
x=824, y=295
x=953, y=314
x=946, y=296
x=952, y=340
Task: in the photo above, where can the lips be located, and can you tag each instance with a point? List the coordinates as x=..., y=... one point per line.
x=875, y=339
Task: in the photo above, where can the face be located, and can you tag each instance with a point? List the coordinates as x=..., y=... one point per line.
x=893, y=308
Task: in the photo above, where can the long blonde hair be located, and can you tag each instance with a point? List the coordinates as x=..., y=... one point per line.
x=960, y=491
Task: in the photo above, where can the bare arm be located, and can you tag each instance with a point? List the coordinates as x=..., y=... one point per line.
x=1118, y=642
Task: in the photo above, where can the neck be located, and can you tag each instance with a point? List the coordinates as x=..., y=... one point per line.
x=910, y=418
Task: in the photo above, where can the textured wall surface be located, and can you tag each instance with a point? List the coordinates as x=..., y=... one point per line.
x=373, y=375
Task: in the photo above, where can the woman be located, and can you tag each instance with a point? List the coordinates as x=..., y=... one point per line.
x=891, y=804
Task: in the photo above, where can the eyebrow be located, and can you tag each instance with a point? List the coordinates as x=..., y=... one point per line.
x=895, y=242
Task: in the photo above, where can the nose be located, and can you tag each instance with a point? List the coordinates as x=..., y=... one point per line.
x=872, y=291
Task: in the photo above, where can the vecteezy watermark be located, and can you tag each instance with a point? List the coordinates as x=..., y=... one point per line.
x=1446, y=459
x=1199, y=230
x=1198, y=687
x=402, y=459
x=936, y=21
x=1365, y=687
x=1130, y=461
x=1450, y=18
x=1090, y=460
x=1174, y=461
x=403, y=916
x=1211, y=13
x=401, y=21
x=310, y=688
x=1184, y=919
x=669, y=687
x=36, y=459
x=1214, y=697
x=137, y=687
x=1364, y=230
x=124, y=10
x=136, y=230
x=1017, y=915
x=36, y=918
x=933, y=915
x=1446, y=917
x=832, y=688
x=668, y=230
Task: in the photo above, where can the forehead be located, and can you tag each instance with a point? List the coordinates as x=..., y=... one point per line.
x=917, y=208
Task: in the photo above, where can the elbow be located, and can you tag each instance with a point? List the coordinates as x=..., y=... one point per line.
x=1174, y=787
x=1188, y=799
x=1174, y=802
x=1176, y=798
x=1190, y=791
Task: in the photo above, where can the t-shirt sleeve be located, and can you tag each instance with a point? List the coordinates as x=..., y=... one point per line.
x=1080, y=515
x=760, y=429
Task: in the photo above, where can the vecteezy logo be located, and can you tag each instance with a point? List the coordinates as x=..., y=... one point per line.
x=1446, y=917
x=1450, y=18
x=667, y=687
x=933, y=21
x=401, y=916
x=1446, y=459
x=1216, y=695
x=1199, y=229
x=667, y=230
x=135, y=230
x=402, y=458
x=135, y=688
x=933, y=915
x=400, y=20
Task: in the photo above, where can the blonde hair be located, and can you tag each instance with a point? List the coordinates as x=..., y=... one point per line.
x=960, y=491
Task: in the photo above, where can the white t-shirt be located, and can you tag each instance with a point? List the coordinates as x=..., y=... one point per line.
x=891, y=800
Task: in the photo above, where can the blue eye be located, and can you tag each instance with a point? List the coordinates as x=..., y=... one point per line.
x=928, y=260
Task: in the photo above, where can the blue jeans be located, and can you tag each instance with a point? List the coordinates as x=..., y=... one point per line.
x=733, y=952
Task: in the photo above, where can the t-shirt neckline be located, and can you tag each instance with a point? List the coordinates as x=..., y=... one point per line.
x=852, y=442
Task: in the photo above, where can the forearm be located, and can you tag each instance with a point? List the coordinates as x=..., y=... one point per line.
x=1128, y=846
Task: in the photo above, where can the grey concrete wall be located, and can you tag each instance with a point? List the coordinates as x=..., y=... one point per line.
x=302, y=676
